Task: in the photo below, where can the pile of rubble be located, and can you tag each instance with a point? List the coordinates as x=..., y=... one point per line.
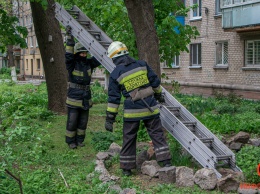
x=181, y=176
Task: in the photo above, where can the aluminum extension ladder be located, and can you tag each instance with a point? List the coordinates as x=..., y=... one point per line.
x=203, y=145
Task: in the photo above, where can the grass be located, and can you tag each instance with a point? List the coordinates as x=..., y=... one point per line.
x=77, y=164
x=44, y=158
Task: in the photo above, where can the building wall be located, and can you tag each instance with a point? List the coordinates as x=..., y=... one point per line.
x=31, y=65
x=209, y=77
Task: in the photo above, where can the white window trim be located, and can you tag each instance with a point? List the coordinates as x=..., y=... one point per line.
x=165, y=66
x=250, y=65
x=222, y=42
x=31, y=41
x=191, y=12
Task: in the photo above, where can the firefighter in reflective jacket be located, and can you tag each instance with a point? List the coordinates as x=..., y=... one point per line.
x=78, y=100
x=140, y=86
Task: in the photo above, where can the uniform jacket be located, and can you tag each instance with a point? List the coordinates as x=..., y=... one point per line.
x=128, y=76
x=79, y=72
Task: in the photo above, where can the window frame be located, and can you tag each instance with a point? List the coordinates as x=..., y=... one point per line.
x=199, y=10
x=199, y=55
x=38, y=61
x=246, y=53
x=31, y=42
x=222, y=53
x=217, y=8
x=174, y=59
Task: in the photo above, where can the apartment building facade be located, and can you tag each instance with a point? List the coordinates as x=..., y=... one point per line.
x=226, y=56
x=29, y=59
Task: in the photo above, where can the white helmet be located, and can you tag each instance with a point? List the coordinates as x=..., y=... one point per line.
x=116, y=49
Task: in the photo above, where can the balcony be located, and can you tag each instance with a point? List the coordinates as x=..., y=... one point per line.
x=240, y=13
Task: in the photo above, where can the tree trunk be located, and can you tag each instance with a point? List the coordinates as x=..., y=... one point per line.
x=50, y=42
x=141, y=15
x=10, y=56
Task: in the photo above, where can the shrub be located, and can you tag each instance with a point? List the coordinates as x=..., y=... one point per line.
x=247, y=159
x=226, y=108
x=98, y=93
x=102, y=140
x=257, y=108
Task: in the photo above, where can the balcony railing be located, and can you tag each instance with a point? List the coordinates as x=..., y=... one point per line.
x=240, y=13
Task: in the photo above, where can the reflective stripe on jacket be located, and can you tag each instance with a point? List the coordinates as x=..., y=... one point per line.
x=79, y=72
x=128, y=76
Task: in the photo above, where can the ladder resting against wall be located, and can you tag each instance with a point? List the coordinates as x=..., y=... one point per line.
x=203, y=145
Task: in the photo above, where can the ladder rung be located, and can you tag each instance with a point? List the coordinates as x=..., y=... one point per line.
x=74, y=12
x=84, y=22
x=173, y=108
x=207, y=140
x=105, y=42
x=222, y=165
x=189, y=123
x=94, y=32
x=223, y=157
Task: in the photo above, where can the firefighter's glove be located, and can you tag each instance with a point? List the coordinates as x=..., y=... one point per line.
x=68, y=31
x=69, y=37
x=159, y=97
x=110, y=119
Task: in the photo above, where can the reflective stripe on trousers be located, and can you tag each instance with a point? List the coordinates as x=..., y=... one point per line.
x=76, y=125
x=128, y=151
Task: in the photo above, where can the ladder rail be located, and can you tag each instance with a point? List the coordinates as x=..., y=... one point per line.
x=84, y=37
x=93, y=25
x=220, y=148
x=95, y=41
x=170, y=100
x=188, y=140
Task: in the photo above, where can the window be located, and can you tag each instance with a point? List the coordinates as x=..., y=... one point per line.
x=221, y=53
x=36, y=42
x=26, y=64
x=230, y=2
x=26, y=40
x=217, y=7
x=38, y=64
x=196, y=12
x=252, y=53
x=195, y=54
x=175, y=62
x=31, y=41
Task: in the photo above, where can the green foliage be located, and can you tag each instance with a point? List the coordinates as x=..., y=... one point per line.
x=196, y=104
x=142, y=134
x=34, y=149
x=10, y=32
x=166, y=24
x=5, y=73
x=257, y=108
x=112, y=17
x=102, y=140
x=5, y=70
x=247, y=159
x=226, y=108
x=183, y=158
x=98, y=93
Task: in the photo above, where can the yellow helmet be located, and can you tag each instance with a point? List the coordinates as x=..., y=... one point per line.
x=79, y=48
x=116, y=49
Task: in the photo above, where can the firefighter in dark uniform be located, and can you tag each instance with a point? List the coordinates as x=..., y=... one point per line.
x=140, y=86
x=78, y=100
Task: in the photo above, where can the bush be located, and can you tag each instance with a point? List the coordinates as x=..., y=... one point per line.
x=247, y=159
x=98, y=93
x=226, y=108
x=5, y=70
x=102, y=140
